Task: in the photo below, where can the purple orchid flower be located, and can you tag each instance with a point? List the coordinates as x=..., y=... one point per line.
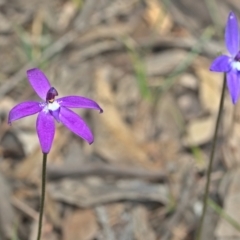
x=50, y=109
x=230, y=65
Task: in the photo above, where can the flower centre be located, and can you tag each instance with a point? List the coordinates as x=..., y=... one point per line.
x=53, y=106
x=51, y=94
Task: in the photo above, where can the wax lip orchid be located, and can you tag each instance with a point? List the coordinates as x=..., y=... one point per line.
x=51, y=108
x=230, y=64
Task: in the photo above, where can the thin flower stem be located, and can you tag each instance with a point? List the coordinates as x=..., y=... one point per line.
x=42, y=195
x=209, y=170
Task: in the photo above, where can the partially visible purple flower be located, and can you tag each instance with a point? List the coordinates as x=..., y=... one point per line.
x=230, y=65
x=50, y=108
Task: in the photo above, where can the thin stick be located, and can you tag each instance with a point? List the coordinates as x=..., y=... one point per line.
x=209, y=170
x=42, y=195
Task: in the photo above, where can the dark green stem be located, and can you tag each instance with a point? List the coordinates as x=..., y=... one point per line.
x=209, y=170
x=42, y=195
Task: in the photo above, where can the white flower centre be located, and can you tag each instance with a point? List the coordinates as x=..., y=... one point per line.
x=236, y=65
x=53, y=106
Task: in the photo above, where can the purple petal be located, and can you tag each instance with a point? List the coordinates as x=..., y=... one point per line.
x=233, y=83
x=39, y=82
x=78, y=102
x=221, y=64
x=24, y=109
x=232, y=34
x=76, y=124
x=46, y=130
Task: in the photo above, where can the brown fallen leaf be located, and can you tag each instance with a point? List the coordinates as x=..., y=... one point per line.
x=67, y=14
x=189, y=81
x=48, y=232
x=114, y=140
x=199, y=131
x=80, y=224
x=210, y=86
x=157, y=17
x=180, y=232
x=115, y=211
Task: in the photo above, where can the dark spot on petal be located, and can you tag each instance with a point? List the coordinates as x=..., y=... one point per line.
x=51, y=94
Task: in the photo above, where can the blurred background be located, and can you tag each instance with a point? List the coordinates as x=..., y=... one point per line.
x=146, y=62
